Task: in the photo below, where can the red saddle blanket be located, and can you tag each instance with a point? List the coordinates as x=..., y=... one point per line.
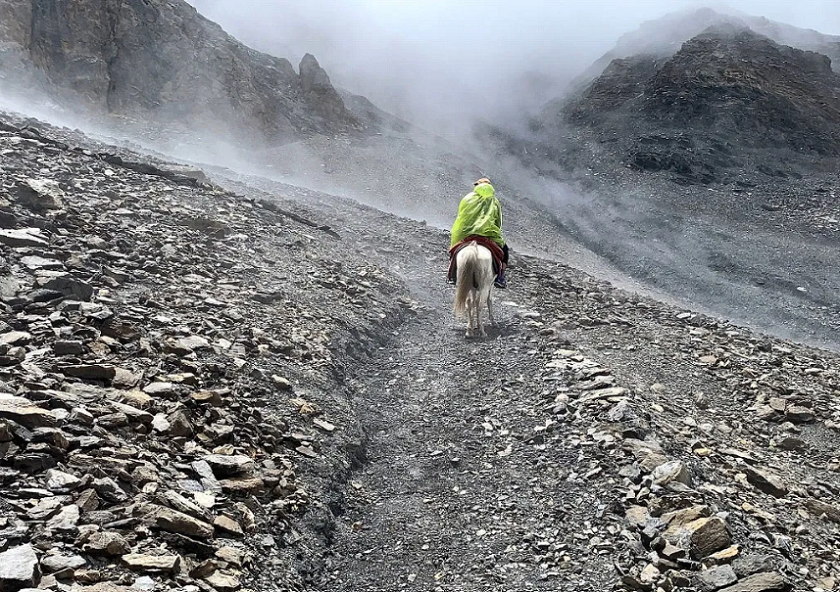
x=495, y=250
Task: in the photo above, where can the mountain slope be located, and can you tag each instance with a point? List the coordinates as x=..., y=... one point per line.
x=161, y=60
x=663, y=37
x=725, y=103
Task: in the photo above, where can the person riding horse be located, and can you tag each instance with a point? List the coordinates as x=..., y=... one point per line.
x=480, y=219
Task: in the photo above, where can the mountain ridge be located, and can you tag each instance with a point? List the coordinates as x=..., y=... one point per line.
x=164, y=61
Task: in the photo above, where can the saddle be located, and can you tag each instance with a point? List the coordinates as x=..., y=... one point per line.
x=495, y=250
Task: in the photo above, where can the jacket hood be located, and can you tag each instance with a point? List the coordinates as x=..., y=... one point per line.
x=484, y=190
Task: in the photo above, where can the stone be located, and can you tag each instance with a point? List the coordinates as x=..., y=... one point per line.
x=790, y=443
x=182, y=504
x=24, y=237
x=208, y=478
x=228, y=525
x=110, y=421
x=51, y=436
x=636, y=516
x=282, y=383
x=35, y=262
x=650, y=575
x=798, y=414
x=19, y=569
x=88, y=500
x=66, y=520
x=766, y=482
x=180, y=424
x=715, y=578
x=820, y=508
x=204, y=569
x=59, y=563
x=109, y=490
x=648, y=454
x=59, y=481
x=672, y=471
x=723, y=556
x=762, y=582
x=231, y=555
x=70, y=287
x=144, y=474
x=213, y=398
x=22, y=411
x=753, y=563
x=93, y=576
x=142, y=562
x=13, y=338
x=107, y=543
x=701, y=537
x=678, y=518
x=243, y=485
x=133, y=413
x=159, y=388
x=229, y=465
x=160, y=424
x=191, y=343
x=223, y=582
x=39, y=194
x=102, y=372
x=144, y=583
x=177, y=522
x=778, y=404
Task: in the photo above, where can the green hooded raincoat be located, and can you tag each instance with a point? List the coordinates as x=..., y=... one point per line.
x=481, y=214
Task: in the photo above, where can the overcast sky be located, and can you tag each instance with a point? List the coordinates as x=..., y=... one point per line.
x=435, y=61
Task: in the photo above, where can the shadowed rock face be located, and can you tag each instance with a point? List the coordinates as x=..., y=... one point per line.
x=745, y=84
x=725, y=99
x=151, y=58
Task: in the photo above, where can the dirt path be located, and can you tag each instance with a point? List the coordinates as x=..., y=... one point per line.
x=460, y=492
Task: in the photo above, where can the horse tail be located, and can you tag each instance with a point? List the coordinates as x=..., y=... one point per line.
x=467, y=259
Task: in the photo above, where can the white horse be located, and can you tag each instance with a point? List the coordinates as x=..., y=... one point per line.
x=474, y=285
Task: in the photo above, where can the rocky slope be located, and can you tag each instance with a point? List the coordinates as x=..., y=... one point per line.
x=664, y=37
x=728, y=101
x=169, y=354
x=162, y=61
x=207, y=390
x=710, y=174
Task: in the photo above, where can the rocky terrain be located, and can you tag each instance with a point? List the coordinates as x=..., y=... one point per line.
x=161, y=61
x=208, y=388
x=165, y=360
x=218, y=378
x=663, y=37
x=698, y=171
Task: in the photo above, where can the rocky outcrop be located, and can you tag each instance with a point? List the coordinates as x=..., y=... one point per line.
x=663, y=37
x=744, y=85
x=729, y=101
x=163, y=61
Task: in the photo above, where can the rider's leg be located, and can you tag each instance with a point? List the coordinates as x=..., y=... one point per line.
x=501, y=282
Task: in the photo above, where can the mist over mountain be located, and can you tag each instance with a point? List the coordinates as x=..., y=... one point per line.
x=164, y=62
x=441, y=65
x=228, y=359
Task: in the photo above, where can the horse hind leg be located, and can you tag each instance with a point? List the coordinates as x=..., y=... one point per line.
x=470, y=308
x=490, y=308
x=481, y=330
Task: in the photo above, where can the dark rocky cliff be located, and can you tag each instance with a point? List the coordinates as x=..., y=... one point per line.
x=730, y=101
x=161, y=60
